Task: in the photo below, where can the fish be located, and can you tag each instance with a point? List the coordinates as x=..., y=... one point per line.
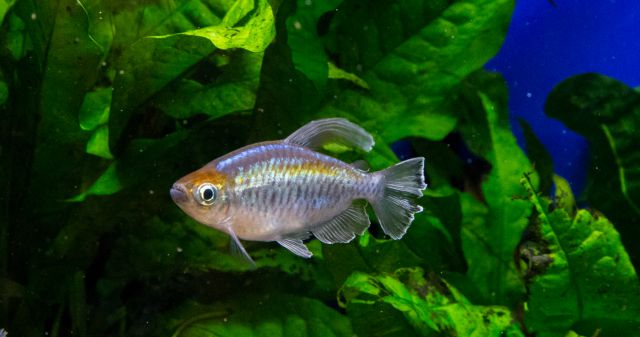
x=288, y=190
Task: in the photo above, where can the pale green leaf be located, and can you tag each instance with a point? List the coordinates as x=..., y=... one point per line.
x=337, y=73
x=98, y=143
x=431, y=306
x=590, y=282
x=5, y=5
x=255, y=35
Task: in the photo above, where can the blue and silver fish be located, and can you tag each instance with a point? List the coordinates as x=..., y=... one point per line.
x=285, y=191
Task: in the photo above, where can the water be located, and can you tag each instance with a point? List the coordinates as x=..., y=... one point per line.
x=104, y=105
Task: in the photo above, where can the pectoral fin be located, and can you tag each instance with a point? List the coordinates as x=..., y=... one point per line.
x=296, y=246
x=238, y=249
x=321, y=132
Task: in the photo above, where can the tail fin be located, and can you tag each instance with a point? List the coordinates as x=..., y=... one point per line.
x=396, y=204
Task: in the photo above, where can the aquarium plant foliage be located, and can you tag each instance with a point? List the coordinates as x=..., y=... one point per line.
x=103, y=104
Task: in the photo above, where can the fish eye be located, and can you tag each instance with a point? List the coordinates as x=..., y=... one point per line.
x=206, y=194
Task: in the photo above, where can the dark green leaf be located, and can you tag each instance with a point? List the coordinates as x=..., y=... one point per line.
x=152, y=63
x=233, y=90
x=607, y=113
x=17, y=39
x=270, y=315
x=435, y=234
x=539, y=157
x=307, y=50
x=4, y=92
x=95, y=109
x=77, y=304
x=132, y=21
x=71, y=60
x=411, y=58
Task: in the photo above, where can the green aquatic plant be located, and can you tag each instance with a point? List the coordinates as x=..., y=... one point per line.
x=104, y=104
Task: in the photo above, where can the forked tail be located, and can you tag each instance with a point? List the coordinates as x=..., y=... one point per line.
x=396, y=204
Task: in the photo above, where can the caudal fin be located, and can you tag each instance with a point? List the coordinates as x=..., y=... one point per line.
x=396, y=205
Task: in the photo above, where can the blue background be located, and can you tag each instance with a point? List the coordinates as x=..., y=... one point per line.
x=547, y=44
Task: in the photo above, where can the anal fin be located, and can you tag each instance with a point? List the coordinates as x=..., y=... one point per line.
x=296, y=246
x=344, y=227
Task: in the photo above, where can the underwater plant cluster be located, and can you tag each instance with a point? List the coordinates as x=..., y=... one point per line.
x=105, y=103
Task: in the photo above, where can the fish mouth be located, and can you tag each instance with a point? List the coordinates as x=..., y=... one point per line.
x=178, y=193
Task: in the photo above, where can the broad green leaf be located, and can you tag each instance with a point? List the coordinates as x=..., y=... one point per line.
x=286, y=97
x=98, y=144
x=434, y=235
x=95, y=109
x=5, y=5
x=589, y=283
x=107, y=183
x=69, y=58
x=265, y=315
x=17, y=39
x=132, y=21
x=255, y=35
x=607, y=113
x=148, y=66
x=94, y=116
x=307, y=49
x=233, y=90
x=175, y=245
x=411, y=56
x=443, y=166
x=153, y=63
x=50, y=60
x=491, y=236
x=140, y=158
x=431, y=306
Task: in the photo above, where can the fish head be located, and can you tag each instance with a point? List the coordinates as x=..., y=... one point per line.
x=202, y=195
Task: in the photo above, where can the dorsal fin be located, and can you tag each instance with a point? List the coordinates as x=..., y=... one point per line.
x=317, y=134
x=361, y=165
